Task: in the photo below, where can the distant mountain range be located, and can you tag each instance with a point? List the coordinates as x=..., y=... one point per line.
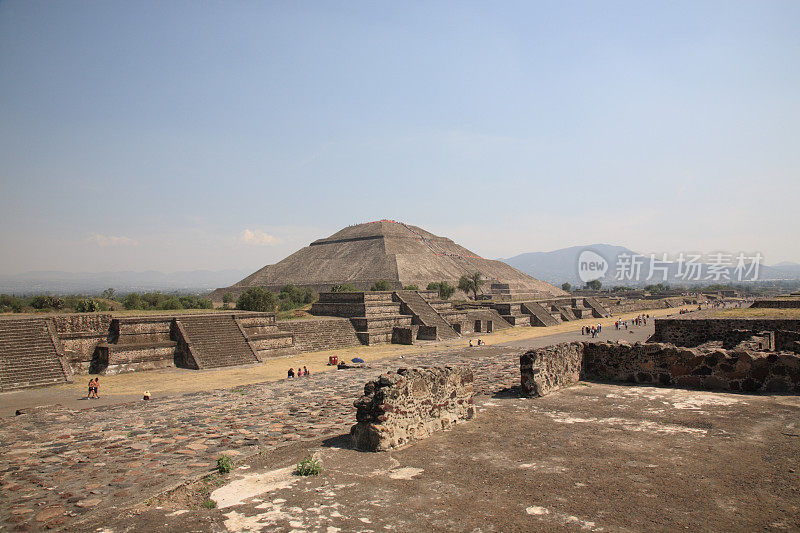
x=561, y=266
x=55, y=282
x=556, y=267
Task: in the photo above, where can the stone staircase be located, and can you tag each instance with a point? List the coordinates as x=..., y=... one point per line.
x=262, y=333
x=28, y=356
x=318, y=334
x=375, y=315
x=426, y=315
x=539, y=315
x=512, y=313
x=598, y=309
x=216, y=341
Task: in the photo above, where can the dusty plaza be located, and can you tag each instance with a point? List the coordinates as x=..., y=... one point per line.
x=591, y=456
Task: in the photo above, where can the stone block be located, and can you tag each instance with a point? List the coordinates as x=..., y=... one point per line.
x=411, y=404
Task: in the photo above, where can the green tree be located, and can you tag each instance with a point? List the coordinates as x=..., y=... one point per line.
x=471, y=283
x=411, y=288
x=257, y=299
x=87, y=306
x=446, y=290
x=566, y=287
x=594, y=285
x=10, y=303
x=227, y=298
x=381, y=285
x=108, y=294
x=345, y=287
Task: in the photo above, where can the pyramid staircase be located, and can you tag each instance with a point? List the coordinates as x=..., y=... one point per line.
x=216, y=341
x=424, y=314
x=375, y=315
x=539, y=315
x=28, y=355
x=513, y=313
x=262, y=333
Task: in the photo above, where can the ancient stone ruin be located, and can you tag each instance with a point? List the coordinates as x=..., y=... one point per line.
x=399, y=408
x=398, y=253
x=708, y=367
x=551, y=368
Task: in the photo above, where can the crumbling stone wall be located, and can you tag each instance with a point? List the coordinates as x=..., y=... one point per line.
x=411, y=404
x=547, y=369
x=687, y=331
x=701, y=367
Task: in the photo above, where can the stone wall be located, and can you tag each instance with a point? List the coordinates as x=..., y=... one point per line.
x=777, y=303
x=314, y=335
x=399, y=408
x=79, y=335
x=547, y=369
x=704, y=368
x=696, y=331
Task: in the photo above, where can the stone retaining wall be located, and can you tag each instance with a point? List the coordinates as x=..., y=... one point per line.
x=314, y=335
x=777, y=303
x=705, y=368
x=696, y=331
x=547, y=369
x=399, y=408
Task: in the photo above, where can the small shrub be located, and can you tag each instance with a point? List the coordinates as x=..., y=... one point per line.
x=345, y=287
x=87, y=306
x=445, y=289
x=381, y=285
x=411, y=288
x=224, y=464
x=209, y=504
x=308, y=467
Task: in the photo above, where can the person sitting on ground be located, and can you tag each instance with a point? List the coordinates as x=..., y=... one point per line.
x=290, y=374
x=146, y=395
x=306, y=372
x=470, y=343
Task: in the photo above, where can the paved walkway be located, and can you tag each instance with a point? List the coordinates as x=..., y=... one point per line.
x=60, y=467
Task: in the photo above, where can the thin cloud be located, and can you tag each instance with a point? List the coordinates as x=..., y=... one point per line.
x=111, y=240
x=258, y=238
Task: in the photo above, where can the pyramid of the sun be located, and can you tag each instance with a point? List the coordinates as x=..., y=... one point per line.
x=387, y=250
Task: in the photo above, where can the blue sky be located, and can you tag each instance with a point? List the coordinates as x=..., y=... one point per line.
x=210, y=135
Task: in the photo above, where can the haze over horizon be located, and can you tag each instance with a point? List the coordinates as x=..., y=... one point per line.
x=180, y=136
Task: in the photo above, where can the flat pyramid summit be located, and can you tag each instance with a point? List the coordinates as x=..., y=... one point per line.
x=399, y=253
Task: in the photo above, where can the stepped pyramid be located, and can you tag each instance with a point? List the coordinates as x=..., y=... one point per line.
x=387, y=250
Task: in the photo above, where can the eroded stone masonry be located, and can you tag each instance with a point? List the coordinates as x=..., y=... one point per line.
x=411, y=404
x=708, y=367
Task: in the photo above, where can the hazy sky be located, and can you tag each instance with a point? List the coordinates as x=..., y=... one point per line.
x=209, y=135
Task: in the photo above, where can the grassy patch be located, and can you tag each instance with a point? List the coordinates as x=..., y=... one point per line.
x=224, y=464
x=308, y=467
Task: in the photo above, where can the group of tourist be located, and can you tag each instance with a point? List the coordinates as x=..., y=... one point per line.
x=594, y=331
x=300, y=372
x=94, y=386
x=480, y=343
x=640, y=320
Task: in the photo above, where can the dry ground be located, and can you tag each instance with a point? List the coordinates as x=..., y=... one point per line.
x=594, y=457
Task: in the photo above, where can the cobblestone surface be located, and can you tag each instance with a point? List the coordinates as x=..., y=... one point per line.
x=60, y=466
